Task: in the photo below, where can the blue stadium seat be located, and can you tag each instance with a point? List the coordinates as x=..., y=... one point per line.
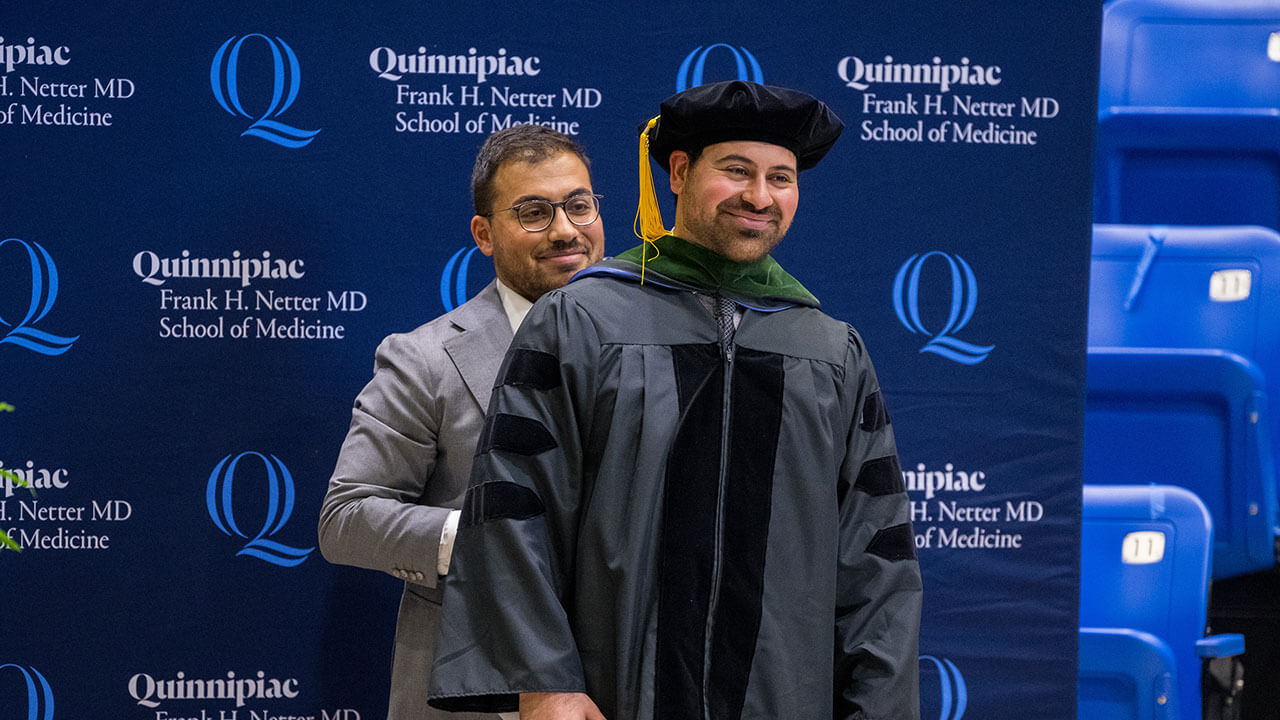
x=1126, y=675
x=1189, y=113
x=1168, y=165
x=1190, y=54
x=1144, y=595
x=1211, y=289
x=1196, y=418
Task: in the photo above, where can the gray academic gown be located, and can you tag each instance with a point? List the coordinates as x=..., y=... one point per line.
x=682, y=529
x=404, y=465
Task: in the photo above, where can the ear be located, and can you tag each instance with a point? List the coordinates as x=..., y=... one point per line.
x=482, y=232
x=679, y=164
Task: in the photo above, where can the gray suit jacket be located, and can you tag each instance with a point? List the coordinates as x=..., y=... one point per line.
x=405, y=463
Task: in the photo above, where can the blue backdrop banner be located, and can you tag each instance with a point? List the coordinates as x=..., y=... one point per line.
x=212, y=213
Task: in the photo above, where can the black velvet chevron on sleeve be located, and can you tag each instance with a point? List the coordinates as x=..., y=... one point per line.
x=874, y=413
x=512, y=433
x=531, y=368
x=499, y=499
x=894, y=543
x=882, y=476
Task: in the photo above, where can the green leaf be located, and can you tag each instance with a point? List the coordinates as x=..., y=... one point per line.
x=5, y=540
x=17, y=480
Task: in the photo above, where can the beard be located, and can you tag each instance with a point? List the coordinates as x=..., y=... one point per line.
x=531, y=278
x=724, y=235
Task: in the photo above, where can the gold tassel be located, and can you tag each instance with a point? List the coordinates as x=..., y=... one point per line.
x=648, y=223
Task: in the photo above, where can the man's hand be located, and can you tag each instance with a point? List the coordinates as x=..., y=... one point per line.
x=558, y=706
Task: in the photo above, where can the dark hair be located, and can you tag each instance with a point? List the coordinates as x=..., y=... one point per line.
x=519, y=143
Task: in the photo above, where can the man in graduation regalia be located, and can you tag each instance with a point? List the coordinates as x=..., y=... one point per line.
x=686, y=503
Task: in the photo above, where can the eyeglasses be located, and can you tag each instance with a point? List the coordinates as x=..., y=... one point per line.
x=537, y=215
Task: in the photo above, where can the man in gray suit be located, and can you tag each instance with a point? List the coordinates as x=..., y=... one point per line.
x=403, y=468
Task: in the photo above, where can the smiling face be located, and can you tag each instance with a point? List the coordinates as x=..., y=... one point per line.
x=532, y=263
x=738, y=199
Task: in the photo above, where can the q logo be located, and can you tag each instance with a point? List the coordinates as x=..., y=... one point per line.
x=453, y=281
x=37, y=697
x=279, y=508
x=964, y=300
x=224, y=79
x=697, y=60
x=44, y=291
x=953, y=696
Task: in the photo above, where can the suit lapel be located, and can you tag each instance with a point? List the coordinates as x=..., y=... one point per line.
x=478, y=350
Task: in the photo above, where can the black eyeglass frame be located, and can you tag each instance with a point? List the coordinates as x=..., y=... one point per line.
x=551, y=218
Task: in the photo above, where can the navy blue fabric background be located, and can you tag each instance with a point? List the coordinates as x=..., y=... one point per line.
x=126, y=413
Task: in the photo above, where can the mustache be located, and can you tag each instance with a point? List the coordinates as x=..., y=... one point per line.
x=570, y=246
x=743, y=206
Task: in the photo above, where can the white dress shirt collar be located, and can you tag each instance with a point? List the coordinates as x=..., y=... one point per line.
x=515, y=305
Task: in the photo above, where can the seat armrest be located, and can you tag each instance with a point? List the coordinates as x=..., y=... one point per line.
x=1221, y=645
